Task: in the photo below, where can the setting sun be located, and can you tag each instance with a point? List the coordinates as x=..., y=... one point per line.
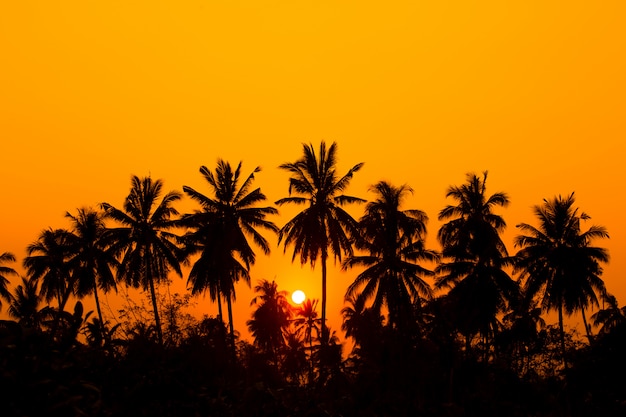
x=298, y=296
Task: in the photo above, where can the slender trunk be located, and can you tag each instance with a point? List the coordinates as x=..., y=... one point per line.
x=230, y=317
x=324, y=329
x=562, y=335
x=102, y=328
x=219, y=303
x=63, y=296
x=157, y=321
x=568, y=398
x=587, y=327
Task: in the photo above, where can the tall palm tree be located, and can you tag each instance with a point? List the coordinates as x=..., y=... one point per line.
x=557, y=262
x=49, y=260
x=6, y=271
x=270, y=318
x=220, y=232
x=476, y=274
x=323, y=227
x=394, y=240
x=94, y=260
x=144, y=240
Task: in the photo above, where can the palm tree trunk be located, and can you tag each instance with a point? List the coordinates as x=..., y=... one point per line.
x=157, y=321
x=102, y=328
x=587, y=327
x=230, y=317
x=562, y=335
x=324, y=329
x=219, y=304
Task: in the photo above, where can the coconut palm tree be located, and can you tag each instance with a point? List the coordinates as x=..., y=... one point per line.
x=476, y=274
x=144, y=241
x=94, y=260
x=306, y=321
x=6, y=271
x=363, y=325
x=610, y=317
x=323, y=228
x=25, y=302
x=270, y=318
x=394, y=240
x=49, y=260
x=220, y=232
x=557, y=263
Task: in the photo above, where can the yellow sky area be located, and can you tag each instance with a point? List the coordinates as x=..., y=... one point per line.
x=421, y=91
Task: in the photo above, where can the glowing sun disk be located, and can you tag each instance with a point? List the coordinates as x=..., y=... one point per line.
x=298, y=296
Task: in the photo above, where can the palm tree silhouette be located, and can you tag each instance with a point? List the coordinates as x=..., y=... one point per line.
x=306, y=321
x=147, y=248
x=220, y=232
x=394, y=240
x=363, y=325
x=323, y=226
x=94, y=260
x=24, y=304
x=480, y=287
x=6, y=271
x=49, y=259
x=557, y=262
x=611, y=317
x=271, y=317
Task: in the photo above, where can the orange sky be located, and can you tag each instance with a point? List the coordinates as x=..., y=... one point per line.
x=421, y=91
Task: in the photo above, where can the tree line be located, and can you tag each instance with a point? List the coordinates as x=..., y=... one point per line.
x=484, y=311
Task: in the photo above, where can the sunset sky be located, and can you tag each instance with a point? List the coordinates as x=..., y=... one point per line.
x=94, y=91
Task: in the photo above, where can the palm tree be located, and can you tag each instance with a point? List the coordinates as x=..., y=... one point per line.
x=220, y=232
x=24, y=304
x=5, y=271
x=306, y=321
x=323, y=226
x=147, y=248
x=94, y=260
x=611, y=317
x=363, y=325
x=394, y=240
x=480, y=287
x=557, y=262
x=270, y=318
x=50, y=260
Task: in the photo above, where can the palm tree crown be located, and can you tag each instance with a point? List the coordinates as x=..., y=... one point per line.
x=480, y=286
x=94, y=260
x=271, y=316
x=323, y=225
x=147, y=248
x=221, y=229
x=557, y=262
x=5, y=271
x=50, y=259
x=394, y=240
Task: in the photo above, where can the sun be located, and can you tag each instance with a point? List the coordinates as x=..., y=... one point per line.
x=298, y=296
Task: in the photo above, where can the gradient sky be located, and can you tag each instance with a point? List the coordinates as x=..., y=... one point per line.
x=423, y=92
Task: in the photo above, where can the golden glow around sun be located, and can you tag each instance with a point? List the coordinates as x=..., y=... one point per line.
x=298, y=296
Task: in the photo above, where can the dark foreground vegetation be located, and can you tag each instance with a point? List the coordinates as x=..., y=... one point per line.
x=390, y=373
x=459, y=331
